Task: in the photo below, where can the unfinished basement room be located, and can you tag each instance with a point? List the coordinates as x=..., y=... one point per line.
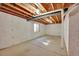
x=38, y=29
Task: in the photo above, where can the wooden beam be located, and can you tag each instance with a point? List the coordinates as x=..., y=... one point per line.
x=34, y=9
x=40, y=6
x=12, y=12
x=53, y=7
x=17, y=9
x=62, y=5
x=40, y=20
x=36, y=6
x=67, y=5
x=49, y=7
x=9, y=12
x=45, y=15
x=25, y=7
x=44, y=20
x=30, y=7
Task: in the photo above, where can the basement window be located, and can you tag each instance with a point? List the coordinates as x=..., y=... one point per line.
x=36, y=27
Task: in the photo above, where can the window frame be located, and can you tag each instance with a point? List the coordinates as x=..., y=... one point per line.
x=36, y=27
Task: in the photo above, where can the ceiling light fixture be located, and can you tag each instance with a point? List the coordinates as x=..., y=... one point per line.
x=37, y=11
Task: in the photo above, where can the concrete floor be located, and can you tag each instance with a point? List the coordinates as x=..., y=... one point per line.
x=43, y=46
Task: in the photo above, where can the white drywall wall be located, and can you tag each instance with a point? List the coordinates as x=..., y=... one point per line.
x=66, y=31
x=14, y=30
x=74, y=32
x=71, y=31
x=53, y=29
x=33, y=34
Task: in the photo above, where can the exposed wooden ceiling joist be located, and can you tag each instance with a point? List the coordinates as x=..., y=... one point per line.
x=30, y=7
x=67, y=5
x=28, y=10
x=47, y=14
x=14, y=7
x=43, y=10
x=50, y=7
x=5, y=7
x=56, y=18
x=41, y=21
x=44, y=21
x=25, y=7
x=34, y=10
x=9, y=12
